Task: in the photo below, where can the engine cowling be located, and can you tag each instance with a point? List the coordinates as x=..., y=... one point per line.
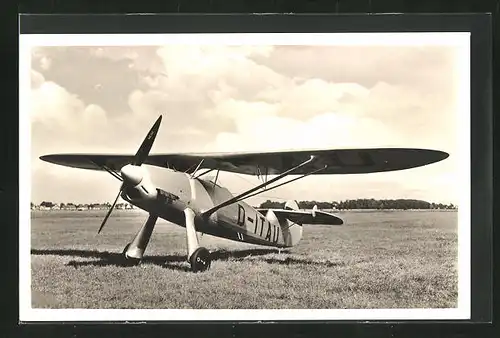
x=138, y=185
x=132, y=174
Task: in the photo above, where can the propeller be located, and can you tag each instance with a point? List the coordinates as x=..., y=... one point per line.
x=110, y=209
x=146, y=145
x=132, y=173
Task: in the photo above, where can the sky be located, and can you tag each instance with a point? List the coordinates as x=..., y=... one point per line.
x=246, y=98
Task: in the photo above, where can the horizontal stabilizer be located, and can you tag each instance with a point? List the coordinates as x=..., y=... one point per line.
x=305, y=217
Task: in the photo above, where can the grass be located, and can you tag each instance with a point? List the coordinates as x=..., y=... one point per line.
x=377, y=260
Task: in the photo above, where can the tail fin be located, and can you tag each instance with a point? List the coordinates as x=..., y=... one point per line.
x=292, y=232
x=291, y=205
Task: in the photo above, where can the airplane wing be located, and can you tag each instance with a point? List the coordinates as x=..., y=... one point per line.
x=305, y=217
x=338, y=161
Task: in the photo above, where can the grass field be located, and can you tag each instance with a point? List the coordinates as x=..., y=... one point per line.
x=400, y=259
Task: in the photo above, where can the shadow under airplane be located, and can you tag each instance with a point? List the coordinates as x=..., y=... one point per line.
x=176, y=262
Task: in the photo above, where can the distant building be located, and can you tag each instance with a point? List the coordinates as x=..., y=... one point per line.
x=98, y=206
x=124, y=206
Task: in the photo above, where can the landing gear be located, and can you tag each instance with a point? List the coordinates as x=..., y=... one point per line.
x=198, y=257
x=134, y=251
x=200, y=260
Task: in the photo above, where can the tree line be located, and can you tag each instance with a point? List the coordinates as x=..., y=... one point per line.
x=363, y=203
x=48, y=204
x=401, y=204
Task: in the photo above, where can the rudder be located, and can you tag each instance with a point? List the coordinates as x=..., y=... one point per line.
x=291, y=205
x=292, y=231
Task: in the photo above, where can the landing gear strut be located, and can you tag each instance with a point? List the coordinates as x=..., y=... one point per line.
x=134, y=251
x=198, y=257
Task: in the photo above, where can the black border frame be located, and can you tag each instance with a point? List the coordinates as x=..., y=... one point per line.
x=481, y=107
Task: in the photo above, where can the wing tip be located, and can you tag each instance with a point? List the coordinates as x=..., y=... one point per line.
x=52, y=158
x=46, y=158
x=443, y=154
x=436, y=156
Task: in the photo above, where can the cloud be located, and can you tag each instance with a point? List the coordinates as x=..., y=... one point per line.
x=259, y=126
x=424, y=67
x=51, y=103
x=99, y=76
x=61, y=122
x=192, y=71
x=37, y=79
x=195, y=80
x=45, y=63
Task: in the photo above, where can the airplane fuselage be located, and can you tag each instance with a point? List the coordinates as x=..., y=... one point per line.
x=238, y=221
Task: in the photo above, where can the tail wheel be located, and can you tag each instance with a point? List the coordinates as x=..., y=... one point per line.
x=200, y=260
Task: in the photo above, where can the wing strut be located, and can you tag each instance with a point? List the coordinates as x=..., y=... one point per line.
x=197, y=167
x=248, y=192
x=216, y=177
x=261, y=176
x=204, y=173
x=112, y=172
x=279, y=185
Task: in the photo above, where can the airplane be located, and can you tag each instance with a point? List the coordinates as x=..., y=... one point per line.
x=202, y=206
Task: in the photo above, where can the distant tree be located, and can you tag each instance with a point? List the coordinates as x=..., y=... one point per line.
x=341, y=205
x=364, y=203
x=325, y=205
x=306, y=204
x=272, y=205
x=47, y=204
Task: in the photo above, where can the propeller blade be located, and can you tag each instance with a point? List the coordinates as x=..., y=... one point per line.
x=146, y=145
x=110, y=210
x=139, y=158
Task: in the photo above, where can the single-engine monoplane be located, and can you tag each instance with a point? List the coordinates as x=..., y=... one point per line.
x=187, y=198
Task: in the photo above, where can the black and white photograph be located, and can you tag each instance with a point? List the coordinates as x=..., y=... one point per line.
x=245, y=176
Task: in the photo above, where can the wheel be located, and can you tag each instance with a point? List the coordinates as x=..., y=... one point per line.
x=129, y=261
x=200, y=260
